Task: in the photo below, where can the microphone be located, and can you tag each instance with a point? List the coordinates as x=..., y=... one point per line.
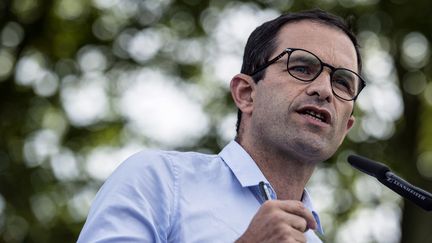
x=383, y=174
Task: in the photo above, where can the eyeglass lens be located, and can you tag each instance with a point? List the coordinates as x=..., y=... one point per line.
x=306, y=67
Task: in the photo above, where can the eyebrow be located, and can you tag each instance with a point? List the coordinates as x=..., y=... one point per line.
x=301, y=58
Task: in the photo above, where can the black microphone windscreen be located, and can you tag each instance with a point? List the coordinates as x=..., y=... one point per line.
x=368, y=166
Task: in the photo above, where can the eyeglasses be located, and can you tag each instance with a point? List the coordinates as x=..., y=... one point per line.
x=306, y=66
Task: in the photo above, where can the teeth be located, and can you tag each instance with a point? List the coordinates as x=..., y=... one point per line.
x=315, y=115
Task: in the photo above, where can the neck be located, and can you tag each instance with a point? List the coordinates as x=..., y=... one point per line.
x=286, y=173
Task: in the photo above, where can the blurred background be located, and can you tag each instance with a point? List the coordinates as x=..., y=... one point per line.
x=84, y=84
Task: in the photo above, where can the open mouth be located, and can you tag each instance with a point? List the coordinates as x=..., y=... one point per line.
x=319, y=115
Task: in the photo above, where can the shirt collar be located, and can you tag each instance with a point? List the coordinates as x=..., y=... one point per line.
x=242, y=165
x=247, y=172
x=307, y=201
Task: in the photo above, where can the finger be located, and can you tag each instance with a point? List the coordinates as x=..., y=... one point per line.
x=295, y=221
x=277, y=214
x=299, y=236
x=298, y=208
x=296, y=236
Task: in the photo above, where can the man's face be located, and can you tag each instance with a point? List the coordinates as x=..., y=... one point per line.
x=284, y=107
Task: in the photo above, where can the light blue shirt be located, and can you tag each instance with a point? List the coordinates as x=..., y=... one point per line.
x=159, y=196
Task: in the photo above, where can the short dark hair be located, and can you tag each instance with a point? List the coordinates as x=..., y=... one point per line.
x=261, y=44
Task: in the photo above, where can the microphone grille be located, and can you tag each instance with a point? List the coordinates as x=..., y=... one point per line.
x=368, y=166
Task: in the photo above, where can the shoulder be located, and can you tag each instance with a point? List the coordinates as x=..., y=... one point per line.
x=162, y=155
x=159, y=161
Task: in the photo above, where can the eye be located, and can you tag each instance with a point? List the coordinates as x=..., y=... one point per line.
x=303, y=70
x=300, y=69
x=343, y=84
x=303, y=65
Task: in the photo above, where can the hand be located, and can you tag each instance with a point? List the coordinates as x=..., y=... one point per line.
x=279, y=221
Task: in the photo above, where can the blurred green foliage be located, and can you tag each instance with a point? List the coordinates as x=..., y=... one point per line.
x=51, y=49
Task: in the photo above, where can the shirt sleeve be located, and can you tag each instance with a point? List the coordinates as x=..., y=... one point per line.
x=135, y=204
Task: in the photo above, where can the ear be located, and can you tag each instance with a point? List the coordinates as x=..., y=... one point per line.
x=350, y=123
x=243, y=92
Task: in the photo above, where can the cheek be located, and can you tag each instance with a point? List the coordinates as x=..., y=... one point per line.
x=277, y=95
x=270, y=108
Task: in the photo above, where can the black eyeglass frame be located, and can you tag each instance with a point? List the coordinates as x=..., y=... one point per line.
x=323, y=64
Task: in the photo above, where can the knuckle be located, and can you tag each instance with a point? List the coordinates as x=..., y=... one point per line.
x=277, y=217
x=266, y=205
x=270, y=207
x=282, y=229
x=270, y=203
x=300, y=206
x=302, y=224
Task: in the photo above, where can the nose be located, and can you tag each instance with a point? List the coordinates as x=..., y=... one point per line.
x=321, y=86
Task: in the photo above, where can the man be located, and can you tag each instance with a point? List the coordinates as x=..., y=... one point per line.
x=295, y=97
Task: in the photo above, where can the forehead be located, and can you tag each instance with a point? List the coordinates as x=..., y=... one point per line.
x=330, y=44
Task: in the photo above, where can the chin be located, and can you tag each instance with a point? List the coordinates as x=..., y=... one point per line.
x=312, y=151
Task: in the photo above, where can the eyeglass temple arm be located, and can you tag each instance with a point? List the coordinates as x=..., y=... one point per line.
x=270, y=62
